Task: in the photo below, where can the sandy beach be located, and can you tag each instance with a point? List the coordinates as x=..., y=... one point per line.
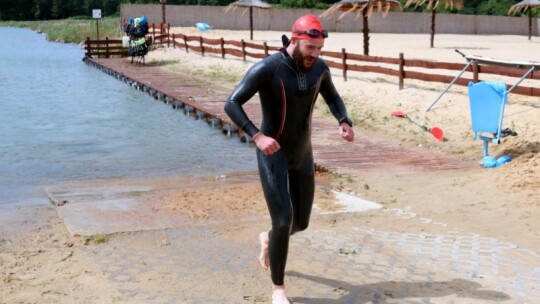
x=371, y=98
x=41, y=262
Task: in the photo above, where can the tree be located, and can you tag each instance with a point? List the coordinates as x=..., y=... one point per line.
x=77, y=8
x=57, y=9
x=46, y=9
x=494, y=7
x=16, y=10
x=110, y=7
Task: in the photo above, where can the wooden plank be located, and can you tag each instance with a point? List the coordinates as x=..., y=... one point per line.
x=330, y=152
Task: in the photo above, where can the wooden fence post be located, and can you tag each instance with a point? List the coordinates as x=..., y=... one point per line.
x=87, y=47
x=222, y=48
x=475, y=71
x=201, y=43
x=265, y=49
x=344, y=61
x=99, y=49
x=244, y=49
x=173, y=41
x=185, y=43
x=401, y=70
x=168, y=33
x=107, y=47
x=154, y=29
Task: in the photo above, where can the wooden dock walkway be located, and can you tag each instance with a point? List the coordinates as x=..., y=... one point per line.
x=365, y=154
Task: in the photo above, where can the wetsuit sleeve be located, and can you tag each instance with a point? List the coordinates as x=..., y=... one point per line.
x=331, y=96
x=248, y=86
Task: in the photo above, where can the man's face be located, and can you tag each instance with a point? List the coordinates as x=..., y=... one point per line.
x=306, y=52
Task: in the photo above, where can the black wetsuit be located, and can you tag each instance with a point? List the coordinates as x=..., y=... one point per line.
x=287, y=99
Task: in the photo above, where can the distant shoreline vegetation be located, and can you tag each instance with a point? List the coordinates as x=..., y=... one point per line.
x=40, y=14
x=62, y=9
x=73, y=29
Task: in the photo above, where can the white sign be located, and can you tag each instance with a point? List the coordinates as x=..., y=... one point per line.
x=96, y=14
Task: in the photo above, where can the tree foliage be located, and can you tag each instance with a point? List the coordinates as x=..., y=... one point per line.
x=472, y=7
x=60, y=9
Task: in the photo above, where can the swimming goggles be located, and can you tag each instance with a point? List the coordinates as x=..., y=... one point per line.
x=313, y=33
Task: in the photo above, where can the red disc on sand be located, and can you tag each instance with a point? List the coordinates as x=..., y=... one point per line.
x=437, y=133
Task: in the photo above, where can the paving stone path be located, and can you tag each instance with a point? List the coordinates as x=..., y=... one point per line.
x=339, y=264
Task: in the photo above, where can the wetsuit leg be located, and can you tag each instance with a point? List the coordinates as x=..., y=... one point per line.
x=274, y=178
x=302, y=191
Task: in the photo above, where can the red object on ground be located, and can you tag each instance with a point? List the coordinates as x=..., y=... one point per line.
x=435, y=131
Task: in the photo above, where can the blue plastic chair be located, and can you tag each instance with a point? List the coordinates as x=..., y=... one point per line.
x=487, y=101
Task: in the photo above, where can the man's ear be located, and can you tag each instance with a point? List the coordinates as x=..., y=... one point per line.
x=293, y=41
x=285, y=40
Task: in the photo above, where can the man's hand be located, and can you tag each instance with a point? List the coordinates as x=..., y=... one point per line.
x=346, y=132
x=266, y=144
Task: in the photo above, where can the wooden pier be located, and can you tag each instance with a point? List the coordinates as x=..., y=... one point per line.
x=331, y=153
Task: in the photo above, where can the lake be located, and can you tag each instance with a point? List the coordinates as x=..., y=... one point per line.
x=63, y=121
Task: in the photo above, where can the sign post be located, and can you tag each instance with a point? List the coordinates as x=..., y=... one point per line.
x=96, y=14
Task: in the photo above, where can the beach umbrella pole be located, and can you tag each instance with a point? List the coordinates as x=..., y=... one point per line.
x=248, y=4
x=530, y=23
x=366, y=32
x=432, y=27
x=251, y=22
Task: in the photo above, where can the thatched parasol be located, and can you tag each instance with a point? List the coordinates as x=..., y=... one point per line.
x=523, y=6
x=248, y=4
x=432, y=5
x=364, y=8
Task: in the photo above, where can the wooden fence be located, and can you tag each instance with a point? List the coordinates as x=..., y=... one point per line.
x=113, y=47
x=347, y=62
x=104, y=48
x=353, y=62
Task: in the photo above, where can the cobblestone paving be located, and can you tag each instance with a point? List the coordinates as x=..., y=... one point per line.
x=326, y=265
x=409, y=267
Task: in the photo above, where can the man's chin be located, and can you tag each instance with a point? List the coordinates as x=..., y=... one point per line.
x=308, y=65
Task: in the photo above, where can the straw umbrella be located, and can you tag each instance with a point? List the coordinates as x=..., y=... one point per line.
x=364, y=8
x=523, y=6
x=432, y=5
x=248, y=4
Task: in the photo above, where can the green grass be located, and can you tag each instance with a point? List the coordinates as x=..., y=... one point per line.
x=227, y=74
x=96, y=239
x=163, y=62
x=72, y=30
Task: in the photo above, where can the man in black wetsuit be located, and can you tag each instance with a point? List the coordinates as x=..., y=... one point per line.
x=288, y=83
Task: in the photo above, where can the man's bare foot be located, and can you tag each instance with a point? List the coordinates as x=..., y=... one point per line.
x=263, y=257
x=278, y=295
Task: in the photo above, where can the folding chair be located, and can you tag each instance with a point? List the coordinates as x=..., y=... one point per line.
x=487, y=101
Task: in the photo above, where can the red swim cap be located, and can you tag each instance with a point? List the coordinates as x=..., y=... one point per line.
x=307, y=23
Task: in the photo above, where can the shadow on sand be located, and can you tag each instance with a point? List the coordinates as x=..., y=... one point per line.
x=383, y=292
